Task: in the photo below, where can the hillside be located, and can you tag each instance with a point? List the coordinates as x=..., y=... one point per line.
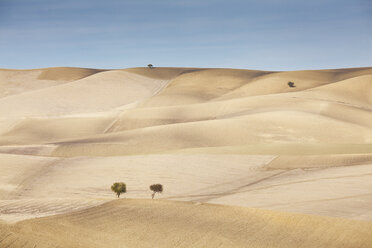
x=237, y=138
x=153, y=223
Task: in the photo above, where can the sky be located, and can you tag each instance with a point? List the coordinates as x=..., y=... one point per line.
x=260, y=34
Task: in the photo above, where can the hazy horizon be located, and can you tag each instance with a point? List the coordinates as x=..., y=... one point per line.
x=264, y=35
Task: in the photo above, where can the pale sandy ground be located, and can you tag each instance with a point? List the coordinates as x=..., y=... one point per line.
x=221, y=136
x=154, y=223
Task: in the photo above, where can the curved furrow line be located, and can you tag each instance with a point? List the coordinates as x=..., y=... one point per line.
x=8, y=239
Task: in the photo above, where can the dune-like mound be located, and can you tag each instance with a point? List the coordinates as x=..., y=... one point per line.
x=298, y=142
x=66, y=73
x=100, y=92
x=153, y=223
x=20, y=81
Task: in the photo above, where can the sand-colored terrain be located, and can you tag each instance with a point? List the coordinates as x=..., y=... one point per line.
x=154, y=223
x=286, y=166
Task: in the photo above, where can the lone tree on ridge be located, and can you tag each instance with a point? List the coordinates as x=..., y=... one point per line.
x=119, y=188
x=150, y=66
x=156, y=188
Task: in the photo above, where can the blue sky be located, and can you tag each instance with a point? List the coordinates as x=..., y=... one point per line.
x=261, y=34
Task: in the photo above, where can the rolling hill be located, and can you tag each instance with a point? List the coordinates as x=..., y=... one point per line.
x=244, y=158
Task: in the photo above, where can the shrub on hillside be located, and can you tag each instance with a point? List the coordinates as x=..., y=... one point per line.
x=119, y=188
x=156, y=188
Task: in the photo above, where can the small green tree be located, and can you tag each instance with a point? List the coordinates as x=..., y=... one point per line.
x=119, y=188
x=156, y=188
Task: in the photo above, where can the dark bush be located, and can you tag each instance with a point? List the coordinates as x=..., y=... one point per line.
x=119, y=188
x=156, y=188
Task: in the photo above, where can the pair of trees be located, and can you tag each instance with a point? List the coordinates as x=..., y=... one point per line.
x=120, y=188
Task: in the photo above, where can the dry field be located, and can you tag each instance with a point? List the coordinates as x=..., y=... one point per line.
x=246, y=160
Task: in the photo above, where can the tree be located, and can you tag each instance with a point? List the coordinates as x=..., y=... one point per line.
x=291, y=84
x=119, y=188
x=150, y=66
x=156, y=188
